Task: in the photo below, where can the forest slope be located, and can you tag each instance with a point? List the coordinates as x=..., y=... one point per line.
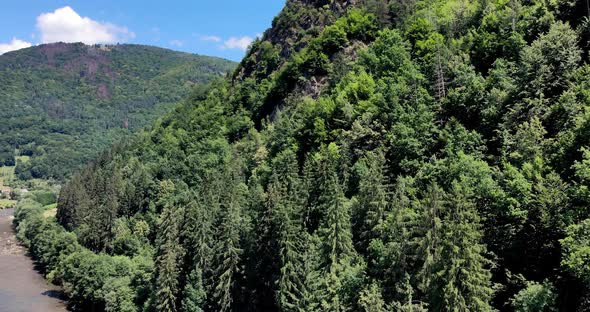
x=428, y=155
x=63, y=103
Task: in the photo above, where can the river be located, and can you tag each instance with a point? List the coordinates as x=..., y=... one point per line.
x=22, y=289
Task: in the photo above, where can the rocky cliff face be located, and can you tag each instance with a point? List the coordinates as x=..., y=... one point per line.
x=291, y=31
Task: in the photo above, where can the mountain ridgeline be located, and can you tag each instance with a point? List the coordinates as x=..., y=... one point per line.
x=401, y=155
x=61, y=104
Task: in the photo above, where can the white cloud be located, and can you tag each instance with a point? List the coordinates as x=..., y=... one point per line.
x=241, y=43
x=176, y=43
x=211, y=38
x=15, y=44
x=66, y=25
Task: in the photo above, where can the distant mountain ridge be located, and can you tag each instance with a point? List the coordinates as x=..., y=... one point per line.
x=84, y=97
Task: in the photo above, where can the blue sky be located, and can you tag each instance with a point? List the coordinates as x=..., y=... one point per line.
x=219, y=27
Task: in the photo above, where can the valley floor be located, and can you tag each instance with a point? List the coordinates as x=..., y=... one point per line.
x=22, y=289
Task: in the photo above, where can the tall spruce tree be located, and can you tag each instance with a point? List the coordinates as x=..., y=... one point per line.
x=265, y=262
x=372, y=301
x=292, y=272
x=194, y=294
x=393, y=257
x=370, y=207
x=460, y=273
x=335, y=232
x=74, y=203
x=197, y=232
x=429, y=233
x=227, y=250
x=169, y=252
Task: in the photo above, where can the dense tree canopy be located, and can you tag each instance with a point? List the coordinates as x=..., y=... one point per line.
x=432, y=156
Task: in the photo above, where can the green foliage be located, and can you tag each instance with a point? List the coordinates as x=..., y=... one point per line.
x=194, y=292
x=91, y=281
x=550, y=60
x=371, y=300
x=119, y=295
x=347, y=166
x=64, y=103
x=459, y=278
x=535, y=297
x=7, y=155
x=576, y=246
x=44, y=197
x=336, y=233
x=169, y=252
x=284, y=199
x=227, y=249
x=389, y=56
x=372, y=201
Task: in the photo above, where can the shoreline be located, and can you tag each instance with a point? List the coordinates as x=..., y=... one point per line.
x=22, y=288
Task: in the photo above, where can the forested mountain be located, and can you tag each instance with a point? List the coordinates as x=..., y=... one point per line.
x=63, y=103
x=401, y=155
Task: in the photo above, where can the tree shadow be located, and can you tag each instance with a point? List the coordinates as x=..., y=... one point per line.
x=55, y=294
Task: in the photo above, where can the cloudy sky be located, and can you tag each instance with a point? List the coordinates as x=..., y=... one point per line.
x=222, y=28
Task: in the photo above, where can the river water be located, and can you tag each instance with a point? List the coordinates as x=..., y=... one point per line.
x=22, y=289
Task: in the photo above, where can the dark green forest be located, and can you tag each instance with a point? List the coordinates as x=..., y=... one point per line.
x=376, y=155
x=63, y=103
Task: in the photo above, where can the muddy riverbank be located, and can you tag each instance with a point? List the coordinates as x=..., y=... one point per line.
x=22, y=289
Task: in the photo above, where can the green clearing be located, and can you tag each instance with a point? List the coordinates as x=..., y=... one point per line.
x=23, y=159
x=7, y=203
x=49, y=207
x=7, y=178
x=6, y=174
x=49, y=213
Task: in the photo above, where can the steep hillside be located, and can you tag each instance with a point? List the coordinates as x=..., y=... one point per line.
x=428, y=155
x=62, y=103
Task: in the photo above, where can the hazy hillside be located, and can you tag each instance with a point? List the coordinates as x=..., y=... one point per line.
x=62, y=103
x=428, y=155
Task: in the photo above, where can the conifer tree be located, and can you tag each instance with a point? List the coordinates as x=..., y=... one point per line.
x=168, y=255
x=335, y=233
x=372, y=301
x=429, y=233
x=313, y=291
x=277, y=247
x=73, y=203
x=319, y=169
x=197, y=233
x=408, y=302
x=167, y=280
x=228, y=251
x=265, y=262
x=372, y=200
x=285, y=196
x=291, y=237
x=393, y=257
x=460, y=277
x=194, y=293
x=336, y=228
